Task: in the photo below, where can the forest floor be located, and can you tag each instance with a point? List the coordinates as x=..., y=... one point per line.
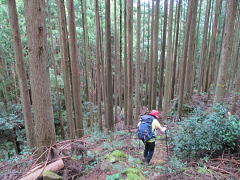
x=119, y=155
x=93, y=161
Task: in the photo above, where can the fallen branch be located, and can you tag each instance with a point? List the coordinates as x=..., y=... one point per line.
x=221, y=170
x=228, y=160
x=37, y=171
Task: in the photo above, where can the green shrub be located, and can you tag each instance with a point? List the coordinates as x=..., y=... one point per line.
x=205, y=134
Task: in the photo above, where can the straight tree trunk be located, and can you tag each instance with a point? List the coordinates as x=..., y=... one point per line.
x=162, y=58
x=130, y=59
x=54, y=62
x=138, y=61
x=117, y=83
x=25, y=99
x=176, y=48
x=237, y=81
x=204, y=47
x=226, y=51
x=213, y=44
x=59, y=102
x=98, y=58
x=66, y=67
x=3, y=78
x=120, y=57
x=109, y=102
x=155, y=56
x=189, y=81
x=125, y=64
x=86, y=52
x=151, y=60
x=184, y=59
x=75, y=74
x=147, y=92
x=169, y=63
x=234, y=62
x=235, y=55
x=39, y=74
x=143, y=75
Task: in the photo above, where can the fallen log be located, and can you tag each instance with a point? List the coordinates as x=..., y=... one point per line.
x=37, y=171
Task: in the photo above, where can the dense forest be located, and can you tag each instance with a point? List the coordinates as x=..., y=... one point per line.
x=76, y=77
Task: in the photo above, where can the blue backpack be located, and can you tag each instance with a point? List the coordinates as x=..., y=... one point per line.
x=144, y=131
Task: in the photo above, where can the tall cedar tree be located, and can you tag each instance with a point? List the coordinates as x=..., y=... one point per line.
x=26, y=106
x=117, y=84
x=190, y=58
x=237, y=76
x=109, y=103
x=120, y=56
x=203, y=56
x=138, y=61
x=176, y=49
x=184, y=60
x=213, y=44
x=51, y=56
x=226, y=51
x=39, y=74
x=75, y=70
x=64, y=44
x=125, y=64
x=130, y=59
x=66, y=67
x=162, y=58
x=150, y=61
x=169, y=63
x=155, y=56
x=98, y=58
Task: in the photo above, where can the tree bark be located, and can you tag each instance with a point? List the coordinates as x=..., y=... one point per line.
x=168, y=70
x=237, y=82
x=66, y=67
x=162, y=58
x=28, y=121
x=138, y=61
x=109, y=103
x=39, y=74
x=117, y=83
x=226, y=51
x=75, y=75
x=120, y=58
x=155, y=56
x=189, y=81
x=98, y=58
x=125, y=64
x=130, y=56
x=213, y=44
x=150, y=62
x=51, y=57
x=176, y=49
x=184, y=59
x=204, y=47
x=86, y=52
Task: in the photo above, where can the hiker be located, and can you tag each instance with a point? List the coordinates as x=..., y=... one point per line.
x=147, y=130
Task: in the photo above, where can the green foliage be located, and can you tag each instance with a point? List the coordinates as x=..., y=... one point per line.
x=176, y=165
x=51, y=175
x=113, y=176
x=111, y=145
x=133, y=174
x=116, y=155
x=203, y=170
x=205, y=134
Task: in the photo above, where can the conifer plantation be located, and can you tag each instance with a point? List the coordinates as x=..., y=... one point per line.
x=78, y=76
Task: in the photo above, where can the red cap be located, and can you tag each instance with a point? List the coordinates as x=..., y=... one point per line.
x=155, y=113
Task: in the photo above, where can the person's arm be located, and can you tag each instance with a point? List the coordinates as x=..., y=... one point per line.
x=158, y=126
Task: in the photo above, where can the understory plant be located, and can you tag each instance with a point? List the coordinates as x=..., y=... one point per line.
x=206, y=134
